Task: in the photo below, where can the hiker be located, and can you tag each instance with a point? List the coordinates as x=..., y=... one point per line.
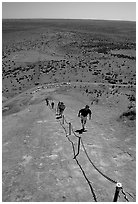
x=52, y=105
x=61, y=108
x=83, y=113
x=47, y=101
x=58, y=107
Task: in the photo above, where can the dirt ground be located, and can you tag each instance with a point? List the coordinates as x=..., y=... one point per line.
x=38, y=164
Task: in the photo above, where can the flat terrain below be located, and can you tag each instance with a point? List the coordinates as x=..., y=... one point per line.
x=38, y=164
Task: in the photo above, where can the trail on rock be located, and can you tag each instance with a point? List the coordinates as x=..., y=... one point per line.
x=38, y=162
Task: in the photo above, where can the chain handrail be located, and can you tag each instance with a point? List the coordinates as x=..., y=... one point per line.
x=75, y=155
x=108, y=178
x=125, y=196
x=73, y=147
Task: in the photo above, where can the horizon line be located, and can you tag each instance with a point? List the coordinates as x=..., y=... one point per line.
x=68, y=19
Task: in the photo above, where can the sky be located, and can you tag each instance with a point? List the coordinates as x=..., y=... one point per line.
x=70, y=10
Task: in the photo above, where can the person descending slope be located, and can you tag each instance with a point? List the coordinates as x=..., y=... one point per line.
x=83, y=113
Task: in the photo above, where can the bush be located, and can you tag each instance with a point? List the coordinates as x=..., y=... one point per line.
x=131, y=115
x=132, y=98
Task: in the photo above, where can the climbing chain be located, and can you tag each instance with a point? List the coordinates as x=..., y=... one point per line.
x=108, y=178
x=125, y=196
x=66, y=121
x=76, y=154
x=73, y=147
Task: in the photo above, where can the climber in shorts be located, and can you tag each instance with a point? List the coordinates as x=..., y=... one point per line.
x=83, y=113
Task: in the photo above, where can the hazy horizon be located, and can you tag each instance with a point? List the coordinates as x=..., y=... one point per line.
x=65, y=19
x=116, y=11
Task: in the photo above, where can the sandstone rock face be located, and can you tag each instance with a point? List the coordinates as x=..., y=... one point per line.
x=72, y=63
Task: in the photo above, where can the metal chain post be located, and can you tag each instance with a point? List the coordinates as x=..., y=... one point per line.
x=78, y=148
x=62, y=119
x=118, y=188
x=118, y=185
x=69, y=128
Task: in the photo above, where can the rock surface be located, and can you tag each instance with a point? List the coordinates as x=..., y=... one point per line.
x=38, y=164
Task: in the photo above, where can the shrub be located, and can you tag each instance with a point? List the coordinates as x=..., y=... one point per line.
x=131, y=115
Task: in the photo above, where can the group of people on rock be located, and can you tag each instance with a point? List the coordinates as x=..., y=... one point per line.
x=60, y=106
x=83, y=113
x=48, y=103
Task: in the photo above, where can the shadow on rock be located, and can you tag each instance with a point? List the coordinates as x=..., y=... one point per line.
x=80, y=131
x=58, y=117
